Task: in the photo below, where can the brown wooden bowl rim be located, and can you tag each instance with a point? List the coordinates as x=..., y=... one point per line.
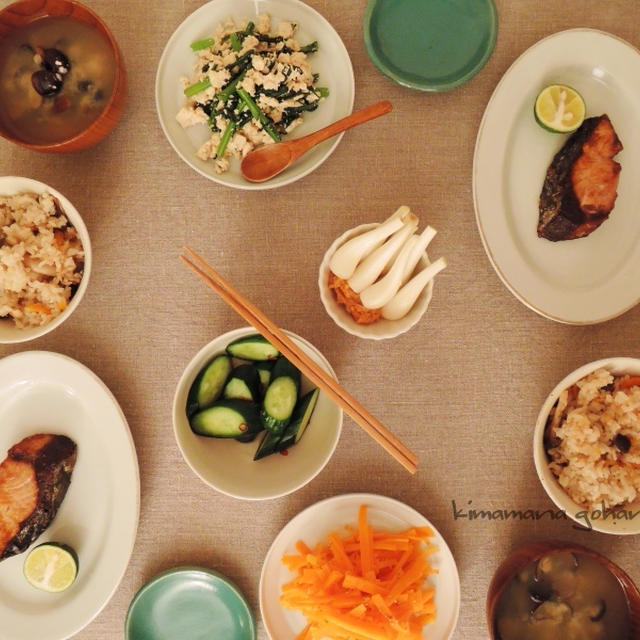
x=119, y=83
x=532, y=551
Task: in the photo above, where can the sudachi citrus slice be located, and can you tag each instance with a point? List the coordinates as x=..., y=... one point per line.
x=559, y=108
x=51, y=567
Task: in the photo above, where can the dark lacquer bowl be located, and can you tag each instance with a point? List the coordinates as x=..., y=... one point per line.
x=21, y=13
x=518, y=559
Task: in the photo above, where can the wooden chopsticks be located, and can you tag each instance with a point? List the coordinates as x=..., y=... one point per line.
x=301, y=360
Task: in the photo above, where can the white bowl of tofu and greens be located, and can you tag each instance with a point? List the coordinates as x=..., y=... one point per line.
x=248, y=423
x=237, y=74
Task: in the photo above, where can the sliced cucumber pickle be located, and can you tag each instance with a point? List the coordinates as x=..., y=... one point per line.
x=268, y=445
x=299, y=420
x=209, y=383
x=281, y=396
x=227, y=419
x=253, y=347
x=243, y=383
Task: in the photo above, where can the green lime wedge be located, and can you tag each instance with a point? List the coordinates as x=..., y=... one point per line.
x=559, y=108
x=51, y=567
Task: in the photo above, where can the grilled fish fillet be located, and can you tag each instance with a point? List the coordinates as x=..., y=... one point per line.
x=34, y=478
x=579, y=190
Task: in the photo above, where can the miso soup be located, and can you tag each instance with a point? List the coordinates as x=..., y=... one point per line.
x=563, y=596
x=56, y=78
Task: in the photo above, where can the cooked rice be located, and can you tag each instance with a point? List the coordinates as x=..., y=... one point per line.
x=585, y=456
x=41, y=259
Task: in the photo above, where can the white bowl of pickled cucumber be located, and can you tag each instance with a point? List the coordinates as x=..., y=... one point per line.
x=248, y=423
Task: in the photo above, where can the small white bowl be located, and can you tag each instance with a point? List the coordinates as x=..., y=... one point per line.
x=9, y=333
x=588, y=518
x=331, y=62
x=381, y=329
x=228, y=466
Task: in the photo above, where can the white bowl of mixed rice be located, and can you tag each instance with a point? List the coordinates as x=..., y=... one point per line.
x=45, y=259
x=587, y=445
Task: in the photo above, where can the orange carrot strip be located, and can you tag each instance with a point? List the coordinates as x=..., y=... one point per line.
x=378, y=601
x=361, y=627
x=305, y=634
x=361, y=584
x=37, y=307
x=302, y=548
x=626, y=383
x=366, y=551
x=337, y=548
x=415, y=572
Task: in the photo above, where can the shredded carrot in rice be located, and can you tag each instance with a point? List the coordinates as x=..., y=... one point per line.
x=366, y=585
x=350, y=300
x=37, y=307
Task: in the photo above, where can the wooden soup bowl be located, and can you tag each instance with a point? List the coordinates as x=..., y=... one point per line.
x=25, y=11
x=532, y=552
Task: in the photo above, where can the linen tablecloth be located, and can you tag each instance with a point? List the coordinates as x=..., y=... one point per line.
x=462, y=389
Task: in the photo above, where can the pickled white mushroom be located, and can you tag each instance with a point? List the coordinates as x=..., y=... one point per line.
x=370, y=269
x=418, y=251
x=403, y=301
x=344, y=261
x=380, y=292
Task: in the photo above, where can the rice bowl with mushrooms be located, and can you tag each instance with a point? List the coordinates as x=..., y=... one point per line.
x=592, y=440
x=42, y=259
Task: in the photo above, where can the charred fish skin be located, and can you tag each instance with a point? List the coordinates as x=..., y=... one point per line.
x=45, y=462
x=583, y=165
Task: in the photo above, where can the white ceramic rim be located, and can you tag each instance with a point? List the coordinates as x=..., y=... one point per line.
x=617, y=365
x=273, y=574
x=381, y=329
x=208, y=16
x=110, y=498
x=180, y=423
x=560, y=57
x=10, y=185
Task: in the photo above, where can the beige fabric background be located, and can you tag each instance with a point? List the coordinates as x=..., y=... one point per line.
x=462, y=389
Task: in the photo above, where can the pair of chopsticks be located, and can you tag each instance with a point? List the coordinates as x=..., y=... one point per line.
x=301, y=360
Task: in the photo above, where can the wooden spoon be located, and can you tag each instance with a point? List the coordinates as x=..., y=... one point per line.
x=270, y=160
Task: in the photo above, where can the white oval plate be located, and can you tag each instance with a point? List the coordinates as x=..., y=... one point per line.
x=580, y=281
x=45, y=392
x=333, y=514
x=228, y=466
x=331, y=61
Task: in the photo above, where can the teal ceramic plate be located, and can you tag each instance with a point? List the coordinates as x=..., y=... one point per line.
x=430, y=45
x=189, y=603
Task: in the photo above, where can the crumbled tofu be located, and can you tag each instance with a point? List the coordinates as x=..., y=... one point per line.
x=188, y=116
x=208, y=149
x=264, y=23
x=276, y=74
x=286, y=29
x=239, y=146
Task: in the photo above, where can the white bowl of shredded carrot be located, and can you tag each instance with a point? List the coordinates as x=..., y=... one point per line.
x=345, y=308
x=359, y=566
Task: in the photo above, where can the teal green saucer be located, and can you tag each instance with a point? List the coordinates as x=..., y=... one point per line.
x=189, y=603
x=430, y=45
